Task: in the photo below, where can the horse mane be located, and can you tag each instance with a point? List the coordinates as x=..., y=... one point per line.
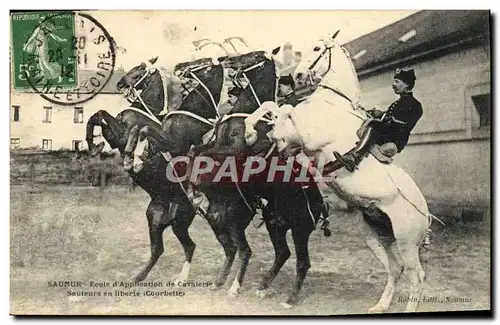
x=198, y=100
x=264, y=84
x=188, y=64
x=153, y=94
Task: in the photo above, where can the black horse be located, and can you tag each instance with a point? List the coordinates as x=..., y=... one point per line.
x=168, y=205
x=292, y=206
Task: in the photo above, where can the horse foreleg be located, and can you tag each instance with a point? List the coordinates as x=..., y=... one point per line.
x=300, y=239
x=244, y=254
x=219, y=226
x=158, y=220
x=277, y=233
x=128, y=159
x=182, y=216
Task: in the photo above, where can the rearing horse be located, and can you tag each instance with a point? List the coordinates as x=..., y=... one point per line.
x=395, y=213
x=290, y=206
x=168, y=205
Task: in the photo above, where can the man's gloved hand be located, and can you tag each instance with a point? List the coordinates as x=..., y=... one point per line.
x=375, y=113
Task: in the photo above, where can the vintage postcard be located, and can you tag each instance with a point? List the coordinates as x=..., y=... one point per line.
x=250, y=162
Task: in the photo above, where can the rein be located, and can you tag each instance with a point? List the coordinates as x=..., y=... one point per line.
x=133, y=89
x=191, y=72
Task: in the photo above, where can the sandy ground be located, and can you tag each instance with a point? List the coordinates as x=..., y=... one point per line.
x=85, y=234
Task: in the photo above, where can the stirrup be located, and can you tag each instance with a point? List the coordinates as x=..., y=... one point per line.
x=350, y=167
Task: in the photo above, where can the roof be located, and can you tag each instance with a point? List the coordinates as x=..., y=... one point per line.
x=427, y=31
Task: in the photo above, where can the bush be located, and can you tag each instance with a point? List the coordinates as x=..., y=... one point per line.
x=66, y=167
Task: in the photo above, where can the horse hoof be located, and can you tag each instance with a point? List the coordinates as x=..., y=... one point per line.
x=127, y=163
x=233, y=293
x=264, y=293
x=378, y=309
x=214, y=287
x=138, y=168
x=286, y=305
x=179, y=282
x=138, y=278
x=261, y=293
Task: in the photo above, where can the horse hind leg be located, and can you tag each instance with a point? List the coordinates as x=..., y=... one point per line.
x=157, y=215
x=277, y=233
x=182, y=217
x=410, y=227
x=244, y=254
x=300, y=239
x=218, y=223
x=381, y=246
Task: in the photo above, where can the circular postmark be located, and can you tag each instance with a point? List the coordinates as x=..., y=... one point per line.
x=69, y=58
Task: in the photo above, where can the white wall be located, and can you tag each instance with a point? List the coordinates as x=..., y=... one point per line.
x=62, y=130
x=448, y=156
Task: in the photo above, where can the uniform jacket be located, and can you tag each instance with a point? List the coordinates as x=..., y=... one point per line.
x=406, y=109
x=291, y=99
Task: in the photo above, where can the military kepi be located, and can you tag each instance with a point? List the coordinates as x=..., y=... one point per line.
x=406, y=75
x=287, y=80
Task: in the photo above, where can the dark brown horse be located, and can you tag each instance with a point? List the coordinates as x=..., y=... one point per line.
x=168, y=205
x=290, y=205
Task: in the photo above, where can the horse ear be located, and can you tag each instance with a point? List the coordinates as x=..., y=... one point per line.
x=335, y=34
x=276, y=50
x=153, y=60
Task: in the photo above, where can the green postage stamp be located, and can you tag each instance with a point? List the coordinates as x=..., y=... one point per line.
x=43, y=49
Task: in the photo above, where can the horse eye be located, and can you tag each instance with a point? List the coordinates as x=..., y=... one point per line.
x=316, y=49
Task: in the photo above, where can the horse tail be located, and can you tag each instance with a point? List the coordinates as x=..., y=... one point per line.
x=426, y=243
x=433, y=217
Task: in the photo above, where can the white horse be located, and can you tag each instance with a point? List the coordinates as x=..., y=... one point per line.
x=326, y=122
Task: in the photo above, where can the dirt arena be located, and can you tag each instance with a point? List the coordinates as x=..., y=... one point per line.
x=89, y=234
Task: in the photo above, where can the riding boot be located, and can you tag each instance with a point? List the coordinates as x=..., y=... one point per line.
x=351, y=159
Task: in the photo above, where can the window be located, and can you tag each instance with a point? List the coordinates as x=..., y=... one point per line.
x=482, y=103
x=15, y=118
x=47, y=114
x=47, y=144
x=78, y=115
x=15, y=143
x=77, y=145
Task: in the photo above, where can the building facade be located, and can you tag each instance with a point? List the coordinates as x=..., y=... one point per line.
x=449, y=152
x=39, y=124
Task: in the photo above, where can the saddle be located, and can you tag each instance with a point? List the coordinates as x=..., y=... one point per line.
x=382, y=153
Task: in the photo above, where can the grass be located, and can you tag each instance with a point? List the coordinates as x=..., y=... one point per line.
x=88, y=234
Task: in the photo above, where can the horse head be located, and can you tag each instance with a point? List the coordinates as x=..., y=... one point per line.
x=257, y=75
x=330, y=62
x=143, y=85
x=205, y=78
x=137, y=75
x=243, y=61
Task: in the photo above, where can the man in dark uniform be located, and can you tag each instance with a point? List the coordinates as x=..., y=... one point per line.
x=233, y=93
x=390, y=129
x=286, y=90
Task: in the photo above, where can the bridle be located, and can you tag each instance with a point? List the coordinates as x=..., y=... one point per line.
x=133, y=94
x=249, y=83
x=191, y=72
x=328, y=48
